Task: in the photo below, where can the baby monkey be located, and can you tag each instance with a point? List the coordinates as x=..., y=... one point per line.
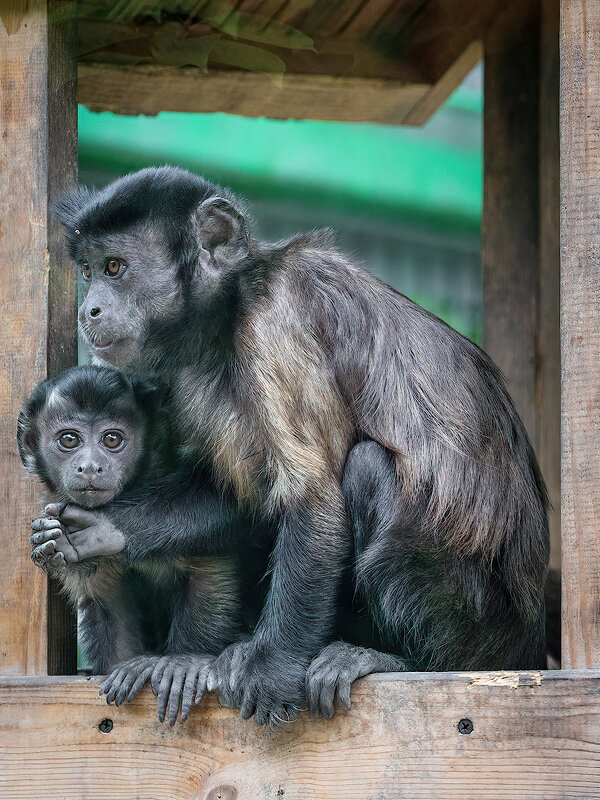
x=95, y=438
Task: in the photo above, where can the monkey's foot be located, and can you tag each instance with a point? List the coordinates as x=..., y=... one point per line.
x=180, y=681
x=263, y=684
x=333, y=671
x=127, y=678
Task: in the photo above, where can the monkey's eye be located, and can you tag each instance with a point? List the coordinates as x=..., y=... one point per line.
x=114, y=266
x=112, y=439
x=68, y=440
x=86, y=270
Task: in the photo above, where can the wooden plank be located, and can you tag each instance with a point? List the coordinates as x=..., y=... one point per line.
x=547, y=390
x=580, y=329
x=38, y=293
x=62, y=279
x=23, y=333
x=151, y=89
x=510, y=226
x=443, y=88
x=534, y=737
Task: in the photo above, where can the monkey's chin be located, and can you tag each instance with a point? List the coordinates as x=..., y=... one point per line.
x=120, y=353
x=91, y=498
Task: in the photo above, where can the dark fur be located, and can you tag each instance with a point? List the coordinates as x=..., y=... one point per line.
x=184, y=602
x=280, y=359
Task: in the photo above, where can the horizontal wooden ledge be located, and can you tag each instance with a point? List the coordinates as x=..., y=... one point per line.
x=149, y=89
x=535, y=735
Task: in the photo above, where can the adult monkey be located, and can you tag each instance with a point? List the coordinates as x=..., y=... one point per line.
x=280, y=359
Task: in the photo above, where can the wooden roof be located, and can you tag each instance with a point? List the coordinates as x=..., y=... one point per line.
x=392, y=61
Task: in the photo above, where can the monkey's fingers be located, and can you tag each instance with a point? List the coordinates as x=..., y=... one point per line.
x=138, y=674
x=157, y=674
x=175, y=693
x=141, y=680
x=54, y=509
x=45, y=524
x=193, y=689
x=164, y=692
x=111, y=687
x=42, y=553
x=43, y=536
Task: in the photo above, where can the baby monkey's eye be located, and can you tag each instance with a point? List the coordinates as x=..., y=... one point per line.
x=86, y=270
x=112, y=440
x=113, y=267
x=68, y=440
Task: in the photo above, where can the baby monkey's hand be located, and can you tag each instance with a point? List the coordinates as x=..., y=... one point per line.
x=89, y=533
x=50, y=546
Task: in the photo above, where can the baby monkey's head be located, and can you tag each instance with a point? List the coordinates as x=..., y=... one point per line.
x=85, y=433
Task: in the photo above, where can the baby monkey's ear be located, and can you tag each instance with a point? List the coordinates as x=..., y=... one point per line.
x=27, y=440
x=218, y=221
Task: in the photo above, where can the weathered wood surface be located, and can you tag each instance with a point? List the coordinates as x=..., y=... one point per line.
x=580, y=330
x=535, y=737
x=547, y=386
x=521, y=225
x=38, y=301
x=510, y=226
x=24, y=265
x=151, y=89
x=62, y=278
x=379, y=60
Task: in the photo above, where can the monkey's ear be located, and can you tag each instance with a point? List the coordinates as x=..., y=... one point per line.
x=219, y=222
x=68, y=206
x=147, y=395
x=26, y=440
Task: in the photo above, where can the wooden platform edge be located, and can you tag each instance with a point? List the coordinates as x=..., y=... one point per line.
x=476, y=735
x=151, y=89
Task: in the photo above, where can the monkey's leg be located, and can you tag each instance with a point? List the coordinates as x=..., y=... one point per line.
x=206, y=618
x=437, y=607
x=266, y=676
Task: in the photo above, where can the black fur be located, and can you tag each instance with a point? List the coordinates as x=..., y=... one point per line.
x=280, y=359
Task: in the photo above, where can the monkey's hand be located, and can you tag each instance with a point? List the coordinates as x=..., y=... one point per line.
x=333, y=671
x=180, y=681
x=90, y=533
x=51, y=549
x=261, y=683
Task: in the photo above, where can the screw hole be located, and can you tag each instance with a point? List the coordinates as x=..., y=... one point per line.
x=465, y=726
x=105, y=726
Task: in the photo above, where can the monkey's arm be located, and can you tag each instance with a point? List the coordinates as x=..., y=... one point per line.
x=181, y=515
x=265, y=676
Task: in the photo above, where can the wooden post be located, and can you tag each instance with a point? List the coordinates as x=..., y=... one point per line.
x=580, y=329
x=520, y=244
x=38, y=332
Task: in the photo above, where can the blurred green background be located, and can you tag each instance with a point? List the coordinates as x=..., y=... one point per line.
x=406, y=202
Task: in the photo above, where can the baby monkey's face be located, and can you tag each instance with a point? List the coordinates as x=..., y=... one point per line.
x=89, y=459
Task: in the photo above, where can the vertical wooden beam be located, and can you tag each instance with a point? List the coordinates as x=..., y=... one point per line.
x=547, y=388
x=34, y=109
x=580, y=329
x=62, y=283
x=520, y=223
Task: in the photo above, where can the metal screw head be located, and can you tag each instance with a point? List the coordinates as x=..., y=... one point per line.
x=106, y=726
x=465, y=726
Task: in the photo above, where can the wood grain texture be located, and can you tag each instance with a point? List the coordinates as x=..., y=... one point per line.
x=443, y=88
x=535, y=737
x=23, y=333
x=580, y=329
x=62, y=278
x=151, y=89
x=510, y=227
x=547, y=389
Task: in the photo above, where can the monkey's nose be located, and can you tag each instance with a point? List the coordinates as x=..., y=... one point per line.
x=95, y=312
x=90, y=468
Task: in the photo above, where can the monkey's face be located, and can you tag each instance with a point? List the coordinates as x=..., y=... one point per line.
x=87, y=460
x=129, y=281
